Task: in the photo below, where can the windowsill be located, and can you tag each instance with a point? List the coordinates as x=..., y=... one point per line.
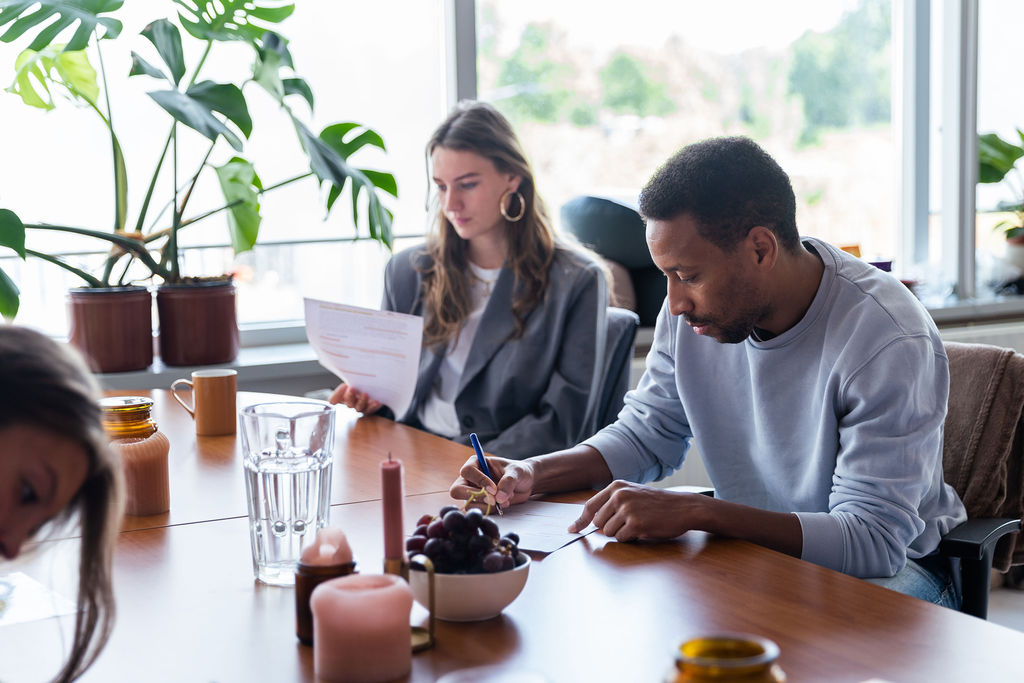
x=978, y=311
x=275, y=353
x=255, y=364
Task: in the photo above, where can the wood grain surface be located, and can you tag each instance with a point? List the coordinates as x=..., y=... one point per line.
x=595, y=610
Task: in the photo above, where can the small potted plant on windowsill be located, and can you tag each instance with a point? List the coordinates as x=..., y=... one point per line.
x=146, y=250
x=997, y=161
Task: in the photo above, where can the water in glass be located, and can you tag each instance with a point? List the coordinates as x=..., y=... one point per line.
x=288, y=462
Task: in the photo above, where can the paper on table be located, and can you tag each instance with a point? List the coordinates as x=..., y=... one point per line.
x=376, y=352
x=22, y=599
x=542, y=526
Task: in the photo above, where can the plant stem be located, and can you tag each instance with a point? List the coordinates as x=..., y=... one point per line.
x=92, y=281
x=195, y=179
x=285, y=182
x=124, y=272
x=199, y=65
x=108, y=265
x=172, y=240
x=196, y=219
x=152, y=183
x=120, y=181
x=131, y=245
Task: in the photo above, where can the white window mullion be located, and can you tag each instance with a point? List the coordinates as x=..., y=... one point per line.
x=461, y=20
x=911, y=95
x=960, y=142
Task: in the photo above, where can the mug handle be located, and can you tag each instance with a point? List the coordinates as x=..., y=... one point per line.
x=174, y=393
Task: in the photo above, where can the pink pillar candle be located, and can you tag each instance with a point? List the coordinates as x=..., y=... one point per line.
x=361, y=628
x=328, y=557
x=393, y=495
x=330, y=547
x=145, y=472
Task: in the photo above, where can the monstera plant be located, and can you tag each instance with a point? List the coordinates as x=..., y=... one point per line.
x=64, y=43
x=997, y=161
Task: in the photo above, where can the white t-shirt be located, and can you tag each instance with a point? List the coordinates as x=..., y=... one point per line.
x=437, y=413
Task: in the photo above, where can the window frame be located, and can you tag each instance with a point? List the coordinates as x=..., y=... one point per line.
x=911, y=108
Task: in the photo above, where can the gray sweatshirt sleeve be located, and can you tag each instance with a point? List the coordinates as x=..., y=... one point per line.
x=649, y=440
x=890, y=446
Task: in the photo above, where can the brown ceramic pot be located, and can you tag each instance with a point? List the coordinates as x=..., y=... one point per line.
x=113, y=327
x=198, y=324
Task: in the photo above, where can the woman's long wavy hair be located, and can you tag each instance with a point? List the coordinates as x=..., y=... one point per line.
x=479, y=128
x=47, y=385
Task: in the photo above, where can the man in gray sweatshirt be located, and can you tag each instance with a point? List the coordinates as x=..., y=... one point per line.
x=814, y=384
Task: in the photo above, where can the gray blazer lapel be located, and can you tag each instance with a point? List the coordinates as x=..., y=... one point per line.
x=496, y=326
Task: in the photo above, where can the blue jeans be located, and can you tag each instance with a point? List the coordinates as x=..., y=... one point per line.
x=928, y=578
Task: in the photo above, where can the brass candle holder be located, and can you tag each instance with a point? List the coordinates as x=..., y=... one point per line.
x=423, y=638
x=397, y=566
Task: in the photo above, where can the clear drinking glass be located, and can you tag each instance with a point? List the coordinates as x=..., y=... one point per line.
x=287, y=451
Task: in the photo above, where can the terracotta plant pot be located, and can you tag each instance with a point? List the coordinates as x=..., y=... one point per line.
x=113, y=327
x=198, y=324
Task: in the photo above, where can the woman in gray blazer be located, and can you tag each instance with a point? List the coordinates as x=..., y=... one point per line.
x=514, y=320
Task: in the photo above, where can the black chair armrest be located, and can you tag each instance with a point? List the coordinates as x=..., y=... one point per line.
x=975, y=538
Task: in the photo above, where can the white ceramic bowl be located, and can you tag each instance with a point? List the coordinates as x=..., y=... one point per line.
x=470, y=597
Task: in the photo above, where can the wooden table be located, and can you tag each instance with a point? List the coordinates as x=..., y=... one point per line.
x=206, y=471
x=596, y=610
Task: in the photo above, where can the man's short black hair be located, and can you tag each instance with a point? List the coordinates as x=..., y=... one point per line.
x=728, y=185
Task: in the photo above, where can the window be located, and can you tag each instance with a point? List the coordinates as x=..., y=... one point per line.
x=602, y=97
x=858, y=99
x=868, y=105
x=1000, y=111
x=362, y=64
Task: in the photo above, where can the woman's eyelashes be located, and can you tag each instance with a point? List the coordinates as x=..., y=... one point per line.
x=462, y=186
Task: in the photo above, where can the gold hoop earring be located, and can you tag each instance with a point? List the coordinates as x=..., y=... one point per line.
x=504, y=209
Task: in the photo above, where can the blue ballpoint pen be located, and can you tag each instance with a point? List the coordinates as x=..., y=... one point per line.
x=483, y=463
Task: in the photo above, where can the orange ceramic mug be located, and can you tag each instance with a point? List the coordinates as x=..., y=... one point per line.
x=213, y=397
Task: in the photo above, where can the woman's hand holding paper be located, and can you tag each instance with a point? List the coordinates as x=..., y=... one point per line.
x=355, y=399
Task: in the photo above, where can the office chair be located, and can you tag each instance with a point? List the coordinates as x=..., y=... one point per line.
x=615, y=230
x=983, y=460
x=605, y=404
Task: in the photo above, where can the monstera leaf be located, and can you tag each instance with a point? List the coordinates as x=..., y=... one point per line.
x=64, y=14
x=34, y=72
x=167, y=40
x=330, y=166
x=37, y=72
x=12, y=235
x=997, y=157
x=195, y=108
x=346, y=139
x=231, y=19
x=242, y=188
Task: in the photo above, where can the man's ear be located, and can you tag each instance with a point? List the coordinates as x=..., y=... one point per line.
x=764, y=245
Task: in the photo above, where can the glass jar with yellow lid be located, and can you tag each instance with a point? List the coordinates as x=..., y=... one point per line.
x=727, y=657
x=128, y=421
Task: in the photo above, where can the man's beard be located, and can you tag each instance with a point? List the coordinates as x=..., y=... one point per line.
x=735, y=330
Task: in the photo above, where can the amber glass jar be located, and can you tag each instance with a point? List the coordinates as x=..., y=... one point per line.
x=129, y=423
x=308, y=577
x=736, y=657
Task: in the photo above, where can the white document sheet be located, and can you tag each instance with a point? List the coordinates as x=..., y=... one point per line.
x=22, y=599
x=376, y=352
x=542, y=526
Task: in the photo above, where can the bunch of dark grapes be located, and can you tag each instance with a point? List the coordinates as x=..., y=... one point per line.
x=468, y=542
